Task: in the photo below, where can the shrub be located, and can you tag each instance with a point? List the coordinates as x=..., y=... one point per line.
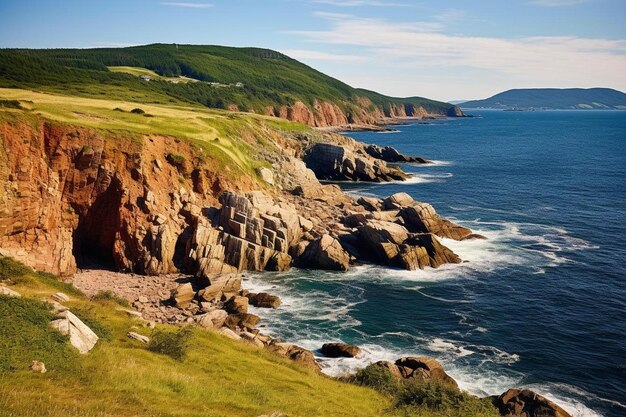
x=137, y=111
x=11, y=104
x=377, y=377
x=173, y=344
x=11, y=269
x=108, y=295
x=175, y=159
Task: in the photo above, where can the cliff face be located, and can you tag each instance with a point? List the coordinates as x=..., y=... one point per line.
x=327, y=114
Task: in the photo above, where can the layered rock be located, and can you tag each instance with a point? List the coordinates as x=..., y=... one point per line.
x=337, y=162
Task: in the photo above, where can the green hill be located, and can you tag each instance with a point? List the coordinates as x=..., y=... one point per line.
x=553, y=98
x=251, y=79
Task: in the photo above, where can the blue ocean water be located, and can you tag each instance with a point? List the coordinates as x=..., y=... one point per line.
x=540, y=304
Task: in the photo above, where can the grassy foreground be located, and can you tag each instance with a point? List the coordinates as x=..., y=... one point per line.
x=211, y=375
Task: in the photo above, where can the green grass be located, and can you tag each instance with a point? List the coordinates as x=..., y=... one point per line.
x=269, y=77
x=214, y=376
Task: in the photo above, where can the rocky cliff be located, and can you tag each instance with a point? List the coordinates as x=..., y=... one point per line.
x=73, y=196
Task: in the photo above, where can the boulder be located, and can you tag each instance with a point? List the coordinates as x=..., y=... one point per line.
x=241, y=320
x=236, y=305
x=424, y=368
x=397, y=201
x=264, y=300
x=423, y=250
x=422, y=218
x=340, y=350
x=216, y=285
x=81, y=336
x=183, y=294
x=371, y=204
x=391, y=367
x=225, y=331
x=60, y=297
x=266, y=175
x=295, y=353
x=138, y=337
x=517, y=402
x=325, y=253
x=9, y=292
x=38, y=367
x=212, y=320
x=280, y=261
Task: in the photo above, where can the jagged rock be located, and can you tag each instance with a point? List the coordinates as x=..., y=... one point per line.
x=325, y=253
x=389, y=154
x=38, y=367
x=295, y=353
x=264, y=300
x=371, y=204
x=424, y=368
x=391, y=367
x=9, y=292
x=212, y=320
x=183, y=295
x=216, y=285
x=336, y=162
x=340, y=350
x=424, y=250
x=397, y=201
x=237, y=305
x=242, y=320
x=517, y=402
x=422, y=218
x=138, y=337
x=60, y=297
x=266, y=175
x=280, y=261
x=375, y=232
x=81, y=336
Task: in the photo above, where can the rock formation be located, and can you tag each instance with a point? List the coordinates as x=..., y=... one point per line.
x=526, y=403
x=420, y=368
x=340, y=350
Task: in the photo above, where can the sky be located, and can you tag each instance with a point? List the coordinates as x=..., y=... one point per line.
x=445, y=50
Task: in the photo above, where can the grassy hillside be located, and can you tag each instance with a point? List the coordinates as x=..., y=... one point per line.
x=554, y=98
x=214, y=376
x=269, y=78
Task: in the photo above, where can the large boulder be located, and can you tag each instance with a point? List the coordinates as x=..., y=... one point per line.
x=295, y=353
x=81, y=336
x=216, y=285
x=264, y=300
x=212, y=320
x=397, y=200
x=236, y=304
x=325, y=253
x=422, y=218
x=340, y=350
x=183, y=294
x=241, y=321
x=423, y=368
x=517, y=402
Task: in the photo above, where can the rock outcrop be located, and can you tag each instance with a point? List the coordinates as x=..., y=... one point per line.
x=420, y=368
x=526, y=403
x=390, y=154
x=340, y=350
x=325, y=253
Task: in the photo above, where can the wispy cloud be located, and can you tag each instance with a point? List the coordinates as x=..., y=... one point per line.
x=306, y=54
x=187, y=5
x=422, y=48
x=556, y=3
x=357, y=3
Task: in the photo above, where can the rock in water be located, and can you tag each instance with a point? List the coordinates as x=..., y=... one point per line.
x=264, y=300
x=325, y=253
x=422, y=218
x=526, y=403
x=340, y=350
x=81, y=336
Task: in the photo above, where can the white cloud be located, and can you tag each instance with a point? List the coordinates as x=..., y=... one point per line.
x=356, y=3
x=557, y=3
x=412, y=50
x=310, y=55
x=187, y=5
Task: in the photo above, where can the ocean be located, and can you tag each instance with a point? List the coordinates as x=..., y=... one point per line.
x=541, y=303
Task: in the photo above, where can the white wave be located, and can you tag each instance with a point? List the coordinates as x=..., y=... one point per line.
x=448, y=347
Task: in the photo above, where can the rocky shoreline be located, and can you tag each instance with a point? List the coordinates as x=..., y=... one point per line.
x=71, y=195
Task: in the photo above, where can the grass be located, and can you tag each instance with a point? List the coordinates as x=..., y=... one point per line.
x=121, y=377
x=198, y=125
x=139, y=71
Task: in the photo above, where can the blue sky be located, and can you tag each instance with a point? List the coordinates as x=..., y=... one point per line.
x=443, y=50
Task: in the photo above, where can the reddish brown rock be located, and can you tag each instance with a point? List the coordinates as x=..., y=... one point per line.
x=340, y=350
x=517, y=402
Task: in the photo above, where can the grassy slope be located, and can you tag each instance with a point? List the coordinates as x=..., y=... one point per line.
x=270, y=78
x=121, y=377
x=199, y=125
